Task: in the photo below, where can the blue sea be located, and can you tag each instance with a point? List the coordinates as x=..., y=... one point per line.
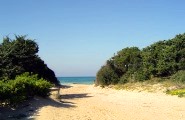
x=76, y=80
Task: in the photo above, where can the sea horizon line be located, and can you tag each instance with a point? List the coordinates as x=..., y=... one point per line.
x=74, y=76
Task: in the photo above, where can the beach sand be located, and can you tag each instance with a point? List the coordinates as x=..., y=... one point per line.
x=86, y=102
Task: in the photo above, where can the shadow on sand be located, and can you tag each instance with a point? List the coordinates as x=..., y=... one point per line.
x=74, y=96
x=28, y=110
x=65, y=86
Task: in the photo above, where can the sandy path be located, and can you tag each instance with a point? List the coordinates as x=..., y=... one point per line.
x=85, y=102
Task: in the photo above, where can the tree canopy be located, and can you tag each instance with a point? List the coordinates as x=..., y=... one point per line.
x=19, y=55
x=161, y=59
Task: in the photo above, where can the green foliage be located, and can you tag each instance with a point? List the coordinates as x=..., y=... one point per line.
x=179, y=92
x=161, y=59
x=124, y=79
x=23, y=87
x=165, y=58
x=42, y=87
x=137, y=76
x=179, y=76
x=20, y=55
x=140, y=75
x=106, y=76
x=127, y=59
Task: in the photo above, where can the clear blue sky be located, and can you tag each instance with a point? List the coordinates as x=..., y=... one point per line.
x=76, y=37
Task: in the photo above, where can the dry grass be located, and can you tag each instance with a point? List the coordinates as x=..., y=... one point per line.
x=153, y=85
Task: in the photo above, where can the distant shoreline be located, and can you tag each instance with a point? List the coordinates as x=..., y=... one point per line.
x=76, y=80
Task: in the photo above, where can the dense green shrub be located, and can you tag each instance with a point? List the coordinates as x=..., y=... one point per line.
x=23, y=87
x=141, y=75
x=134, y=77
x=161, y=59
x=127, y=60
x=106, y=76
x=179, y=76
x=20, y=55
x=42, y=87
x=124, y=79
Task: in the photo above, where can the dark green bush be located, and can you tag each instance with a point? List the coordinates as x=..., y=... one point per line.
x=123, y=79
x=20, y=55
x=161, y=59
x=42, y=87
x=106, y=76
x=141, y=76
x=179, y=76
x=23, y=87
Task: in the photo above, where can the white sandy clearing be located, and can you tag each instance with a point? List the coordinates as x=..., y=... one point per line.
x=86, y=102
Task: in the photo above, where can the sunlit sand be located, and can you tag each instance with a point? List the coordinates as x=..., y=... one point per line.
x=86, y=102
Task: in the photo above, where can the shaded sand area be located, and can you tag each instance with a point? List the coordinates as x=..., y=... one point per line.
x=86, y=102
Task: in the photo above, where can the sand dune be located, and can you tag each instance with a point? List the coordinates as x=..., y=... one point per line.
x=86, y=102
